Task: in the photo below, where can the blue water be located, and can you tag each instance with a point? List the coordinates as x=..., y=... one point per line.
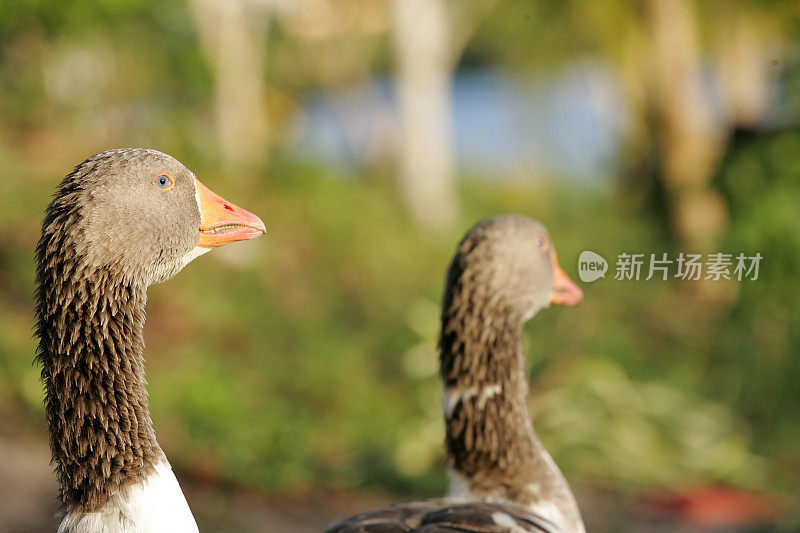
x=566, y=126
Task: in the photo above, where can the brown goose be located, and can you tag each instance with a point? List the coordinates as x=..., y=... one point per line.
x=121, y=221
x=501, y=477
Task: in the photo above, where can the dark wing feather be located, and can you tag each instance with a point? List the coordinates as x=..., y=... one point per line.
x=445, y=516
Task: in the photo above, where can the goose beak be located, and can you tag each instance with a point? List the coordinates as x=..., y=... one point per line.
x=565, y=292
x=222, y=222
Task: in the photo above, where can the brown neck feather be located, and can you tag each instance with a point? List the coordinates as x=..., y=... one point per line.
x=89, y=324
x=490, y=439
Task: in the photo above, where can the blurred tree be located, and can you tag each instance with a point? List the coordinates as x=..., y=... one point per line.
x=690, y=72
x=423, y=81
x=233, y=34
x=334, y=47
x=429, y=38
x=681, y=121
x=686, y=96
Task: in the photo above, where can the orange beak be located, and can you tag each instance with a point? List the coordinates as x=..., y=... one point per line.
x=565, y=292
x=222, y=222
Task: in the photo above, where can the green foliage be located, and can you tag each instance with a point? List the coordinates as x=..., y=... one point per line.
x=758, y=362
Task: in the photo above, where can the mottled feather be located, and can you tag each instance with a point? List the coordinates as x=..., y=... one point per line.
x=446, y=516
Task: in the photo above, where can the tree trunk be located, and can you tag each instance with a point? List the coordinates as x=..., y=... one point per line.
x=424, y=87
x=691, y=139
x=745, y=69
x=233, y=34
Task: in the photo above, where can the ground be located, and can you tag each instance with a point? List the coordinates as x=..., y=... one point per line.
x=28, y=493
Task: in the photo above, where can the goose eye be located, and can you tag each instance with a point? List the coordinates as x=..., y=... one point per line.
x=163, y=181
x=541, y=241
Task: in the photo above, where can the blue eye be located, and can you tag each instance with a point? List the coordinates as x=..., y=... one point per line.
x=541, y=241
x=163, y=181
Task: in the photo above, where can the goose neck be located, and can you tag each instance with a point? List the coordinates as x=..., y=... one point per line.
x=492, y=449
x=484, y=395
x=91, y=349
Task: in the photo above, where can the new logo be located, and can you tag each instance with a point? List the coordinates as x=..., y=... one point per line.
x=591, y=266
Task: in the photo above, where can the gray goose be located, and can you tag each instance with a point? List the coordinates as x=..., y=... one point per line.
x=501, y=477
x=121, y=221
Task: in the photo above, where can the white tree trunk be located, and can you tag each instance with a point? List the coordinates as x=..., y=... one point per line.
x=745, y=69
x=693, y=139
x=233, y=34
x=424, y=89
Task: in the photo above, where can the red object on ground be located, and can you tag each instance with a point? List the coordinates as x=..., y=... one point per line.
x=715, y=506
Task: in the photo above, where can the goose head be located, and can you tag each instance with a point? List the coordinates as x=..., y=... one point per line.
x=144, y=215
x=511, y=260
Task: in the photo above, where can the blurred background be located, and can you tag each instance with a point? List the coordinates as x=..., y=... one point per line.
x=293, y=379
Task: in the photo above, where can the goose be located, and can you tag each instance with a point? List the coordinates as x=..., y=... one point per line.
x=121, y=221
x=502, y=479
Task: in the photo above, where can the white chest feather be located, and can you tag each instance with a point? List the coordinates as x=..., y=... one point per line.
x=155, y=504
x=459, y=485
